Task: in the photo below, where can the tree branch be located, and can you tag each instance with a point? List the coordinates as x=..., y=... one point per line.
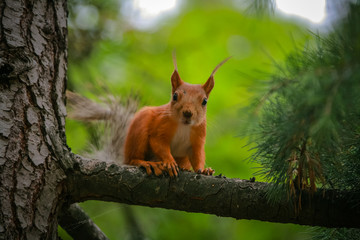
x=79, y=225
x=240, y=199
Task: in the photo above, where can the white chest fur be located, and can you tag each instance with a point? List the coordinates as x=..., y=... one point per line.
x=180, y=144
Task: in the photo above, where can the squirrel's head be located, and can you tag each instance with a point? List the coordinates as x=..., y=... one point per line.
x=189, y=101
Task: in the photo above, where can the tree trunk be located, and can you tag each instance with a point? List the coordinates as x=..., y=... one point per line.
x=32, y=117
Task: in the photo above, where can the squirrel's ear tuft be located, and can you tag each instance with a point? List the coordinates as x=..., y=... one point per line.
x=209, y=85
x=175, y=77
x=175, y=80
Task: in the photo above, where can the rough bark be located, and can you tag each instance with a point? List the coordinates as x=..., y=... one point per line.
x=32, y=117
x=240, y=199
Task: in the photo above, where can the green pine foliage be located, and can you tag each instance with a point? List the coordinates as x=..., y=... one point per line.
x=335, y=233
x=308, y=133
x=309, y=127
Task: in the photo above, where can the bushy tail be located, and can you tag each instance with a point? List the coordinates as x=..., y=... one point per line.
x=116, y=116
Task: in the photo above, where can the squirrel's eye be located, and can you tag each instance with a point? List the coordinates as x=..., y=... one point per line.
x=204, y=102
x=175, y=97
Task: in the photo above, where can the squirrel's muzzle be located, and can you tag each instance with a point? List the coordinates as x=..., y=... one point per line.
x=187, y=114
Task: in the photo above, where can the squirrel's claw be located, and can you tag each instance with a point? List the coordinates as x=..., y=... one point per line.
x=152, y=168
x=172, y=168
x=158, y=170
x=209, y=171
x=148, y=169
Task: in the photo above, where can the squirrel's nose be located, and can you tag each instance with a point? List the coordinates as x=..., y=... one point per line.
x=187, y=114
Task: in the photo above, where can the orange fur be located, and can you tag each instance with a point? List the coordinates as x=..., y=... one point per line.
x=172, y=136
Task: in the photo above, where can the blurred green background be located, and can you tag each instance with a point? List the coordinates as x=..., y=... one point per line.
x=114, y=49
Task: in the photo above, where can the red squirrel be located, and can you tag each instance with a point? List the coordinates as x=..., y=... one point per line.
x=161, y=139
x=172, y=136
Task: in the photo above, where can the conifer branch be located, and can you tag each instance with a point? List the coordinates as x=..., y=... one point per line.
x=240, y=199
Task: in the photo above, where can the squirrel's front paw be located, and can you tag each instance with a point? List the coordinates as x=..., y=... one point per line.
x=153, y=167
x=172, y=168
x=206, y=171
